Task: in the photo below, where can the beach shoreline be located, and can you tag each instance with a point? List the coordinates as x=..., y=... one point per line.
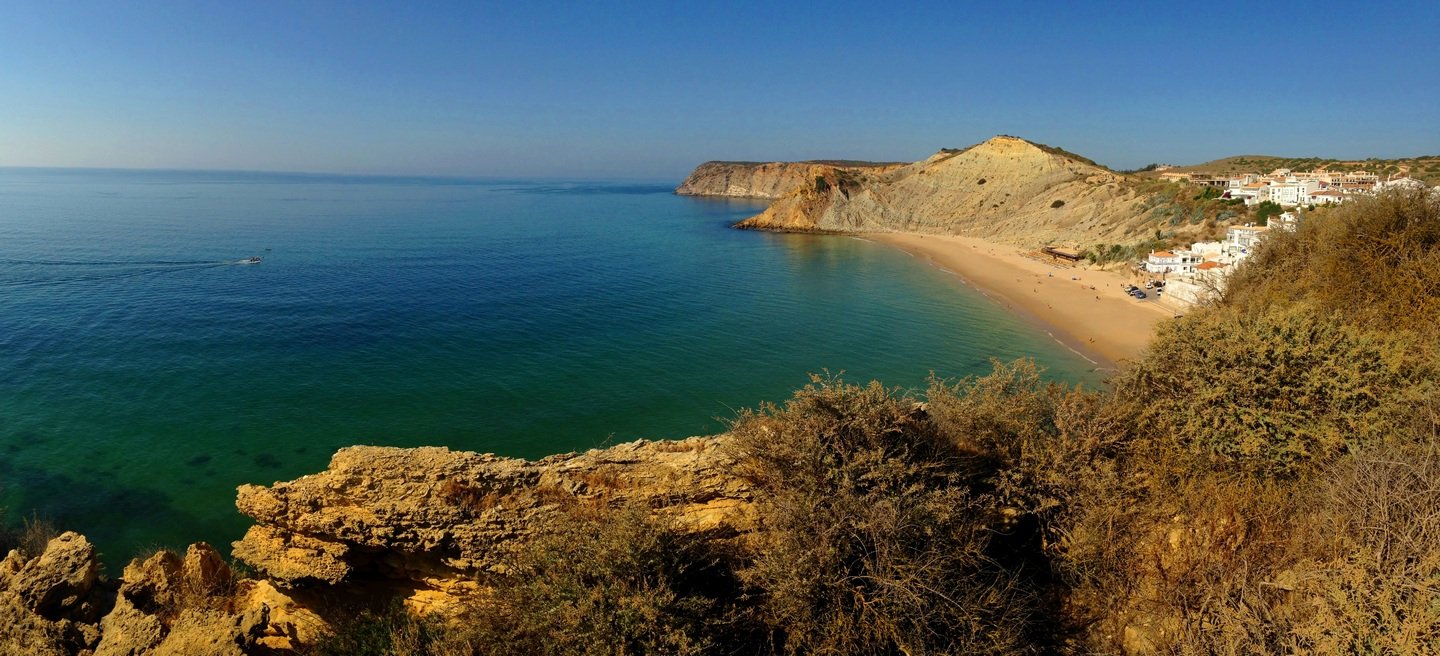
x=1084, y=309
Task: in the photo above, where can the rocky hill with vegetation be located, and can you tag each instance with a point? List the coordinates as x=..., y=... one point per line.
x=1006, y=190
x=1425, y=168
x=1265, y=479
x=768, y=180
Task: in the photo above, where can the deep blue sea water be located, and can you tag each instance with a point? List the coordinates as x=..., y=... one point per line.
x=144, y=373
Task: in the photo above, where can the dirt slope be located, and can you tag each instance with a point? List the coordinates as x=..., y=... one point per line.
x=1006, y=189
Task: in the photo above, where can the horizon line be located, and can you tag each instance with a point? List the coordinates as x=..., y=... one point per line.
x=412, y=176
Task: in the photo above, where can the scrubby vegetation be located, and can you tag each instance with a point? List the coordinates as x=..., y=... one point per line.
x=1425, y=168
x=1266, y=479
x=29, y=538
x=1199, y=212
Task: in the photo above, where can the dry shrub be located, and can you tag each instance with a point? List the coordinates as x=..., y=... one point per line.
x=872, y=540
x=1372, y=262
x=1274, y=392
x=612, y=583
x=31, y=538
x=392, y=631
x=596, y=581
x=1379, y=589
x=1035, y=442
x=681, y=446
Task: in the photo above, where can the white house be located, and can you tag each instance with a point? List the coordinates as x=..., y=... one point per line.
x=1171, y=261
x=1292, y=192
x=1242, y=239
x=1208, y=250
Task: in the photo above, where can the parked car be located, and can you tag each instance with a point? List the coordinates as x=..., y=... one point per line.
x=1139, y=294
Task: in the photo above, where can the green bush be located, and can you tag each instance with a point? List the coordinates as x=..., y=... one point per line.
x=1265, y=210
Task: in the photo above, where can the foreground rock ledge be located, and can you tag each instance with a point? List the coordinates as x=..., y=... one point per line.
x=428, y=520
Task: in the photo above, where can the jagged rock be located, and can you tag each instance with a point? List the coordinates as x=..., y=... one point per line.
x=169, y=605
x=291, y=622
x=59, y=580
x=48, y=604
x=128, y=631
x=431, y=518
x=205, y=632
x=292, y=558
x=205, y=571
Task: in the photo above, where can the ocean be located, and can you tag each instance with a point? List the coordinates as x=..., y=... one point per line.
x=145, y=371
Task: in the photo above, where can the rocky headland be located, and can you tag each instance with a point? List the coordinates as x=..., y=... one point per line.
x=1007, y=190
x=769, y=180
x=414, y=526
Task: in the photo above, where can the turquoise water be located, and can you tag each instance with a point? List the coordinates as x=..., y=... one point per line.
x=144, y=373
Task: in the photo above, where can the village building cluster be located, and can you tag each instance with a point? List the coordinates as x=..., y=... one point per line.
x=1194, y=274
x=1293, y=188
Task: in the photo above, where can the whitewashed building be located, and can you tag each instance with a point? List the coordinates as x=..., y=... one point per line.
x=1208, y=250
x=1243, y=239
x=1171, y=261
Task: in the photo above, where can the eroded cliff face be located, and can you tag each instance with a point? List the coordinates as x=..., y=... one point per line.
x=56, y=603
x=424, y=522
x=379, y=524
x=1006, y=189
x=768, y=180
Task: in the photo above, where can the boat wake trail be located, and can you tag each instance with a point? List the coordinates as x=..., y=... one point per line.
x=38, y=273
x=116, y=263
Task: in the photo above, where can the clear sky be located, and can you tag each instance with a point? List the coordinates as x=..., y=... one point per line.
x=648, y=90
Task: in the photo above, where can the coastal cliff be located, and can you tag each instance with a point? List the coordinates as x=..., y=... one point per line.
x=418, y=526
x=1006, y=189
x=767, y=180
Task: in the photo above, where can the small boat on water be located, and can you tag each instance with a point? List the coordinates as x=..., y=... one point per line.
x=250, y=260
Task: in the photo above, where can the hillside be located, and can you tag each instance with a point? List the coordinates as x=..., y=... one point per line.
x=1006, y=189
x=767, y=179
x=1425, y=168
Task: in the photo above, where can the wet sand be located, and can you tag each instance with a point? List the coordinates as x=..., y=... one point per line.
x=1103, y=324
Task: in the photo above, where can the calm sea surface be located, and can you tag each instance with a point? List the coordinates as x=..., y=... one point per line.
x=144, y=373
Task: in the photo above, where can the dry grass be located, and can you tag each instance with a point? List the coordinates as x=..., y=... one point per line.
x=601, y=479
x=31, y=538
x=681, y=446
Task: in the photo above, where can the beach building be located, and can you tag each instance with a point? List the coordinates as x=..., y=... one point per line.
x=1171, y=261
x=1202, y=285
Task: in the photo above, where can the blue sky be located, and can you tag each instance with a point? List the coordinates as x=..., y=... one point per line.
x=648, y=90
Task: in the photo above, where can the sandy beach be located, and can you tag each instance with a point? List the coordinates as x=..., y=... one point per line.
x=1085, y=309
